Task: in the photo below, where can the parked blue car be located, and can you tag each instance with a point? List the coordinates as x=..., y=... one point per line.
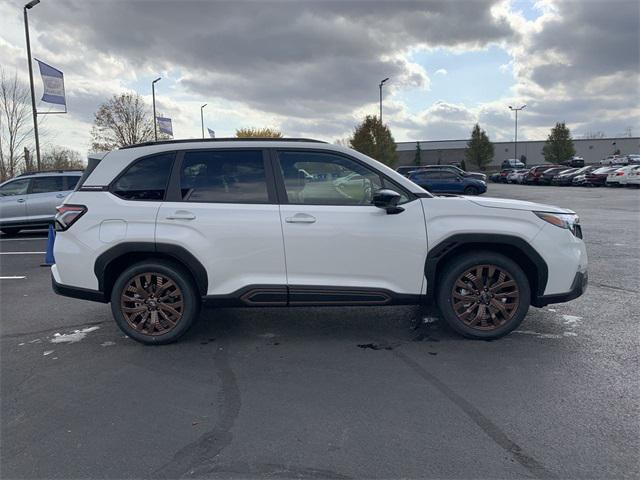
x=442, y=181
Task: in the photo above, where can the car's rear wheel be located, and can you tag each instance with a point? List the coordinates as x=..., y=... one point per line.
x=471, y=191
x=10, y=231
x=154, y=303
x=483, y=295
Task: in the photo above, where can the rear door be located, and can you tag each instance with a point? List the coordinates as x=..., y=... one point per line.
x=13, y=201
x=222, y=207
x=46, y=193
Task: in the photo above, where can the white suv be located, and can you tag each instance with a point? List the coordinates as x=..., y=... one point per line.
x=156, y=229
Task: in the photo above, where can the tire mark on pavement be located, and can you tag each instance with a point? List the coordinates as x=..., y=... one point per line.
x=198, y=458
x=487, y=426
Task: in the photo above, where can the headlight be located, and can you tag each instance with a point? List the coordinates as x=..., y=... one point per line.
x=568, y=221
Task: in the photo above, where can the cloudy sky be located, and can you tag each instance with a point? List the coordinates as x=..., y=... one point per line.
x=312, y=68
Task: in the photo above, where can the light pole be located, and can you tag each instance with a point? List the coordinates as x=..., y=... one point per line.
x=516, y=136
x=29, y=6
x=202, y=118
x=381, y=83
x=153, y=94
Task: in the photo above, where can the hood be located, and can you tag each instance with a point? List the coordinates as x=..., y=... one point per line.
x=516, y=205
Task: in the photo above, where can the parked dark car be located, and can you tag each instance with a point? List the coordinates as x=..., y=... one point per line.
x=567, y=178
x=576, y=162
x=547, y=175
x=598, y=177
x=533, y=177
x=495, y=177
x=442, y=181
x=450, y=168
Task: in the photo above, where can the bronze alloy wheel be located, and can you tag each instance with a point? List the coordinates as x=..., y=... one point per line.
x=485, y=297
x=152, y=304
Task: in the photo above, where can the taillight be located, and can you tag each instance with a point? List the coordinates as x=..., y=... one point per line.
x=619, y=174
x=68, y=215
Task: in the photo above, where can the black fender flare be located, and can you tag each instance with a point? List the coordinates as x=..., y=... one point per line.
x=176, y=252
x=438, y=254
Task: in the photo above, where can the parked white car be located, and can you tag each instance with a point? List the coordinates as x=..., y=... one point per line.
x=517, y=176
x=633, y=178
x=615, y=160
x=631, y=173
x=160, y=228
x=619, y=176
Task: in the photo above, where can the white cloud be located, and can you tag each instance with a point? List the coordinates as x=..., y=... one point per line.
x=441, y=71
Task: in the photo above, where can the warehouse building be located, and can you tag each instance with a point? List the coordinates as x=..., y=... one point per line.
x=453, y=151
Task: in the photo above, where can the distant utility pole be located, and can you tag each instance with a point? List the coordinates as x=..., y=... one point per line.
x=515, y=143
x=153, y=94
x=29, y=6
x=381, y=83
x=202, y=118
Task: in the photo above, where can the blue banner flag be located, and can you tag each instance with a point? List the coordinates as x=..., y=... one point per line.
x=53, y=81
x=212, y=134
x=164, y=125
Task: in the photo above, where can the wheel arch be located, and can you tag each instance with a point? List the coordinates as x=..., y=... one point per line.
x=515, y=248
x=112, y=262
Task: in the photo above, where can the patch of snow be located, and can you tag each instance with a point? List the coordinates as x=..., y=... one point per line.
x=107, y=344
x=37, y=340
x=570, y=334
x=74, y=337
x=552, y=309
x=48, y=352
x=20, y=344
x=538, y=334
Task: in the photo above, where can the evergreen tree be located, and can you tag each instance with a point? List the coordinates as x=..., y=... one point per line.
x=479, y=148
x=374, y=139
x=559, y=145
x=417, y=160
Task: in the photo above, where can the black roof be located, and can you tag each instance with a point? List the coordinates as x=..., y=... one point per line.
x=229, y=139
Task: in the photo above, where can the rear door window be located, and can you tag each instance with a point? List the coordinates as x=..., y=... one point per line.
x=232, y=176
x=48, y=184
x=145, y=179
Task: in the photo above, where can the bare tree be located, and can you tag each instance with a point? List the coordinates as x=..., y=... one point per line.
x=15, y=128
x=122, y=120
x=60, y=158
x=590, y=135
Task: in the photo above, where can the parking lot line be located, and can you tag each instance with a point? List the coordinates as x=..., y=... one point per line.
x=22, y=253
x=12, y=278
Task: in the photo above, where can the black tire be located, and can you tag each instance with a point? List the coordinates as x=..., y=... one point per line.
x=495, y=327
x=471, y=191
x=10, y=231
x=188, y=309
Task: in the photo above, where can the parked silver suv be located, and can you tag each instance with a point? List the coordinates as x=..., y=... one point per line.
x=30, y=200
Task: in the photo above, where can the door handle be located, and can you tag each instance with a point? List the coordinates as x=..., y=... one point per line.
x=301, y=218
x=181, y=215
x=21, y=200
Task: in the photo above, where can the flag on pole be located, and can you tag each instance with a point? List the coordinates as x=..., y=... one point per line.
x=212, y=134
x=53, y=81
x=164, y=125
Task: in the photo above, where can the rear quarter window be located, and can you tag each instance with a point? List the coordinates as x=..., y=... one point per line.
x=145, y=179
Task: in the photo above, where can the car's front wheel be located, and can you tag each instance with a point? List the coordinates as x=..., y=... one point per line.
x=483, y=295
x=154, y=302
x=471, y=191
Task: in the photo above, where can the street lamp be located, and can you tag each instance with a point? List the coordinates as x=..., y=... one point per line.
x=202, y=118
x=381, y=83
x=513, y=109
x=29, y=6
x=153, y=94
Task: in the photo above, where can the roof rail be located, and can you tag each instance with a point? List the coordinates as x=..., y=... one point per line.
x=51, y=171
x=228, y=139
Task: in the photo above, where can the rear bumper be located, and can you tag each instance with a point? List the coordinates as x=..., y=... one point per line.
x=578, y=287
x=77, y=292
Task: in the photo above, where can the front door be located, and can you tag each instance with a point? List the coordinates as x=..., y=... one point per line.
x=336, y=241
x=13, y=201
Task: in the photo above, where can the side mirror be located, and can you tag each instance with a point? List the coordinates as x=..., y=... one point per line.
x=388, y=200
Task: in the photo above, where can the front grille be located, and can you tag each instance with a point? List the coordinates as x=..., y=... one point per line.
x=577, y=230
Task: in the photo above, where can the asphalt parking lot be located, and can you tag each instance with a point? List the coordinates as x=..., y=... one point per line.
x=330, y=392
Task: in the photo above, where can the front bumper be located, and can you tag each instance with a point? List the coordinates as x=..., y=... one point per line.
x=578, y=287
